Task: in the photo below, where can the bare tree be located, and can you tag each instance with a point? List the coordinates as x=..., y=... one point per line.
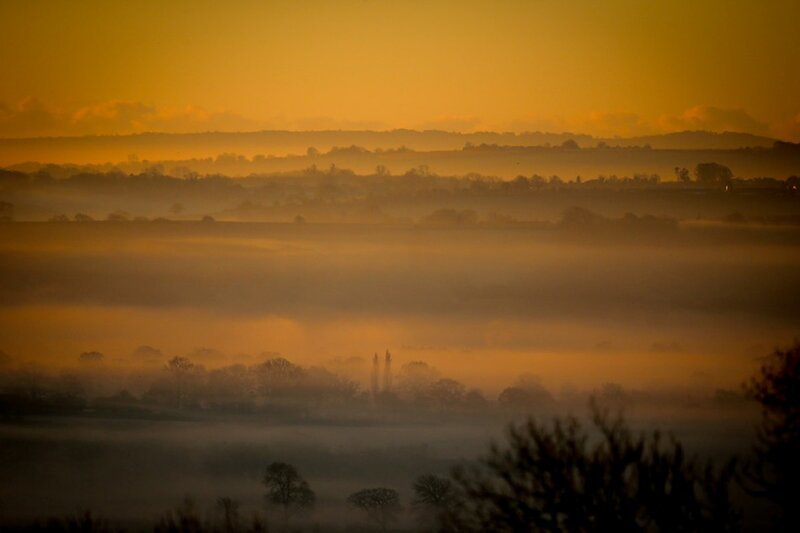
x=447, y=393
x=376, y=369
x=381, y=505
x=277, y=375
x=84, y=521
x=682, y=174
x=387, y=372
x=433, y=497
x=287, y=489
x=556, y=479
x=776, y=470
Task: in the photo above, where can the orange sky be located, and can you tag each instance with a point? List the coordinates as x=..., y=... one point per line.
x=613, y=67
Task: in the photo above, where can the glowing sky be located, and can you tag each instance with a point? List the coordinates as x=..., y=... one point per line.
x=604, y=67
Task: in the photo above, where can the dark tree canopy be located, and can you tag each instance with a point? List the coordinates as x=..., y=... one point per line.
x=381, y=505
x=682, y=174
x=433, y=490
x=776, y=470
x=559, y=479
x=570, y=144
x=287, y=489
x=434, y=496
x=180, y=365
x=713, y=173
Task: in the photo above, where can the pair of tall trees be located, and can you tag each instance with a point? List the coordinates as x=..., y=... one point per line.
x=287, y=490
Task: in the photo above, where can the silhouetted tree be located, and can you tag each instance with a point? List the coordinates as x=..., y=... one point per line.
x=527, y=393
x=447, y=392
x=183, y=519
x=278, y=375
x=381, y=505
x=376, y=370
x=433, y=497
x=180, y=365
x=775, y=473
x=229, y=509
x=387, y=372
x=558, y=479
x=287, y=489
x=713, y=173
x=570, y=144
x=91, y=357
x=84, y=522
x=682, y=174
x=415, y=378
x=474, y=399
x=180, y=368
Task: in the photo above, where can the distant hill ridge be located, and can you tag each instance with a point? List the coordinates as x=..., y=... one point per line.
x=161, y=146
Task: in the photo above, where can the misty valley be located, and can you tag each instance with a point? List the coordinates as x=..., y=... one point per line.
x=168, y=340
x=334, y=266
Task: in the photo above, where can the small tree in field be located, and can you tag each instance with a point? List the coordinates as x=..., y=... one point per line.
x=380, y=504
x=433, y=497
x=287, y=490
x=713, y=174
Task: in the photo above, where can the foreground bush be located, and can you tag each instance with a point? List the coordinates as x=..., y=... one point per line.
x=561, y=478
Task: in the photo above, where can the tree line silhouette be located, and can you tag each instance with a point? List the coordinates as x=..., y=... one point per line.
x=277, y=387
x=315, y=187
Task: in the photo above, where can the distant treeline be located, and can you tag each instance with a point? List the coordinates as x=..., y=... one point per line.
x=335, y=194
x=567, y=158
x=159, y=177
x=279, y=388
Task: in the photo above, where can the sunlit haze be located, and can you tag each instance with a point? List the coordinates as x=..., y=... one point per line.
x=618, y=67
x=293, y=266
